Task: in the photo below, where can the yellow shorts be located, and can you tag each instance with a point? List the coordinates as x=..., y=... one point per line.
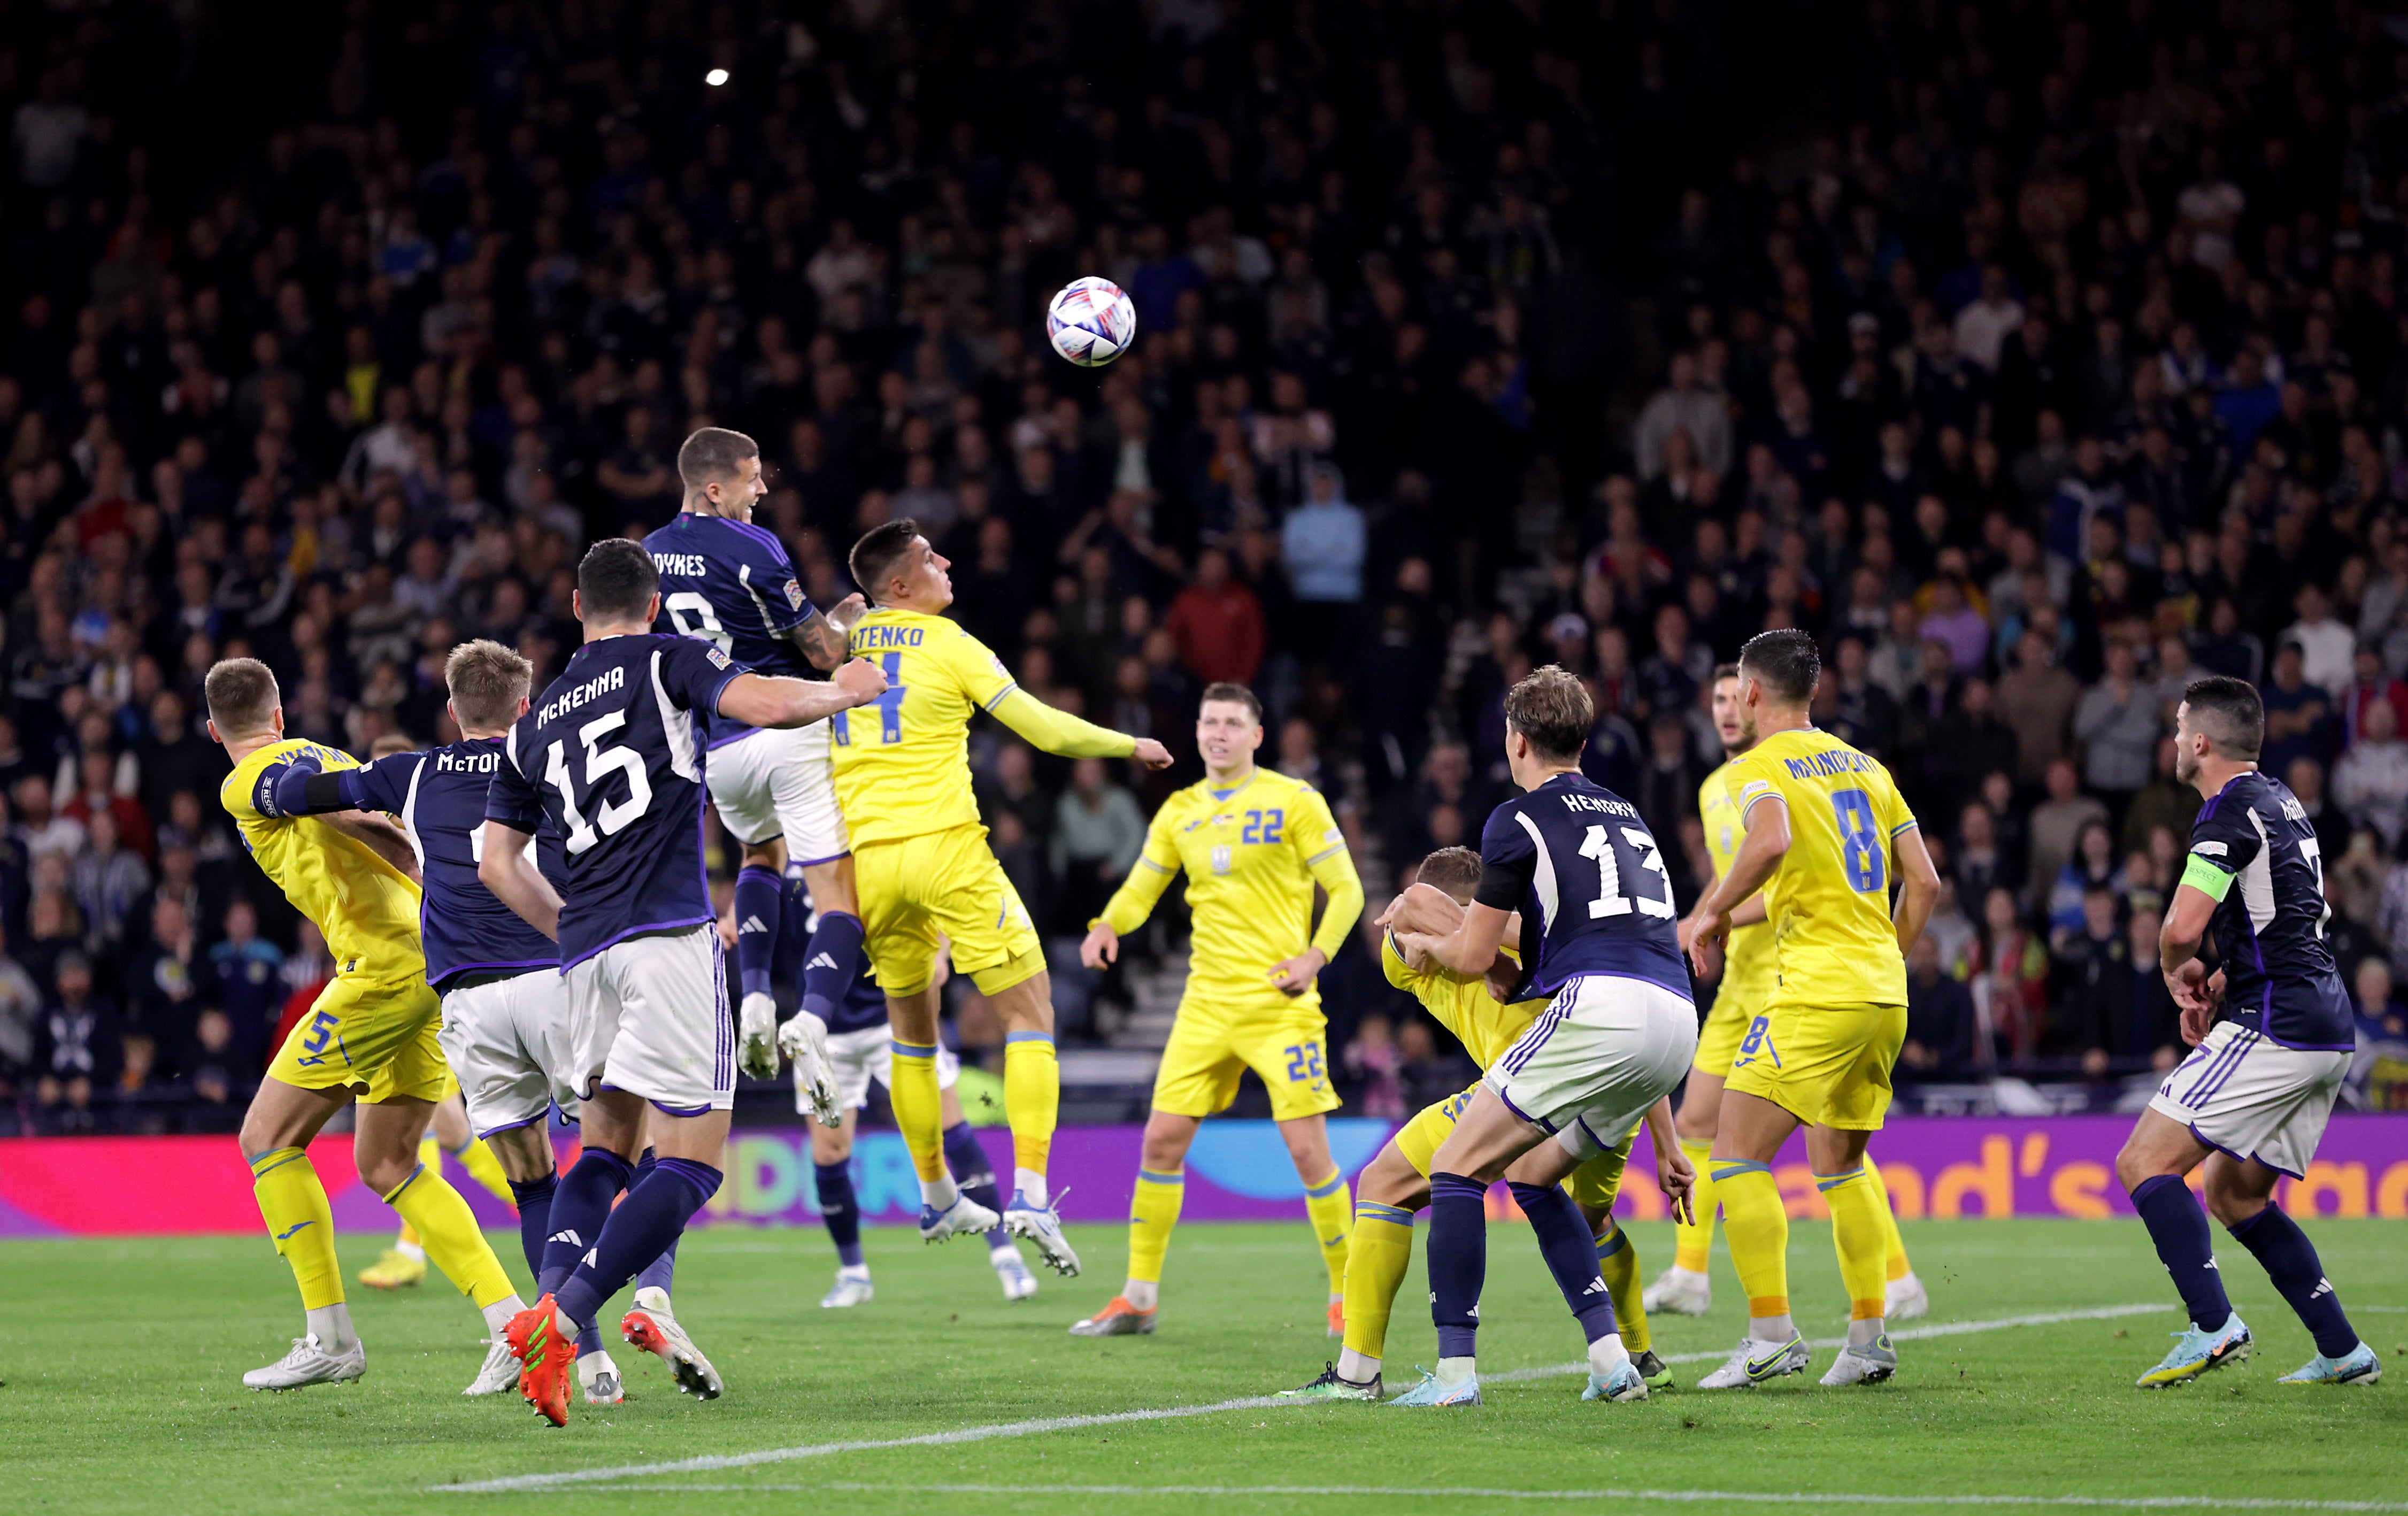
x=945, y=883
x=1595, y=1183
x=371, y=1034
x=1718, y=1039
x=1826, y=1065
x=1209, y=1050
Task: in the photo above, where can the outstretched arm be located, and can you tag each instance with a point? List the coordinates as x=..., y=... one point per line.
x=1066, y=736
x=770, y=700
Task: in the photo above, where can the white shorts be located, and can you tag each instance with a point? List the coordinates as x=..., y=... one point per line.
x=506, y=1041
x=650, y=1016
x=2252, y=1098
x=781, y=780
x=867, y=1054
x=1603, y=1052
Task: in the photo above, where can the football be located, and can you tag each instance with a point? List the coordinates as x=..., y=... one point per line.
x=1091, y=322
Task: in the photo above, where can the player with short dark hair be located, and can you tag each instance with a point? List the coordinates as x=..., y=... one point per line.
x=610, y=756
x=1595, y=901
x=2272, y=1032
x=728, y=581
x=1827, y=834
x=1253, y=844
x=924, y=871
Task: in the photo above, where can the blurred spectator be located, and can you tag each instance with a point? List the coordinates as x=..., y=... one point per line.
x=2370, y=781
x=2116, y=721
x=79, y=1049
x=1374, y=1063
x=2056, y=823
x=2011, y=992
x=1939, y=1022
x=1218, y=623
x=1098, y=832
x=2037, y=700
x=249, y=987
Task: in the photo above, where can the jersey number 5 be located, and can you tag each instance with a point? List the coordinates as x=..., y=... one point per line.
x=1610, y=900
x=1861, y=841
x=599, y=763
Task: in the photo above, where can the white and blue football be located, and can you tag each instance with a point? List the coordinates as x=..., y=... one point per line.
x=1091, y=322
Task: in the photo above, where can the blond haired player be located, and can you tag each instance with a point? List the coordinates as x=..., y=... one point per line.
x=1827, y=834
x=922, y=868
x=1686, y=1289
x=371, y=1038
x=1395, y=1184
x=1253, y=844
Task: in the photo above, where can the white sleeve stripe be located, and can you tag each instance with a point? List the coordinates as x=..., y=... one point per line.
x=999, y=695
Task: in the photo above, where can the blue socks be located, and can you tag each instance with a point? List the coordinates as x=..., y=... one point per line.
x=975, y=1175
x=1459, y=1261
x=660, y=1271
x=2290, y=1261
x=831, y=962
x=2179, y=1228
x=840, y=1210
x=758, y=892
x=1571, y=1252
x=643, y=1227
x=581, y=1205
x=534, y=1201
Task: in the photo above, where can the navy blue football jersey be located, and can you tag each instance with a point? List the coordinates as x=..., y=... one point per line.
x=1580, y=865
x=2254, y=849
x=611, y=757
x=730, y=583
x=439, y=797
x=864, y=1005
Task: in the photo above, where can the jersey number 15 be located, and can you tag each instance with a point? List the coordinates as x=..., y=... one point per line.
x=600, y=763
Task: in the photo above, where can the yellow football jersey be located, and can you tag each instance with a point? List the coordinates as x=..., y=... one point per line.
x=1252, y=855
x=1833, y=944
x=367, y=908
x=1462, y=1004
x=1747, y=953
x=902, y=762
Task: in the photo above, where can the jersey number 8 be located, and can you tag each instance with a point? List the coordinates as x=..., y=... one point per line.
x=691, y=615
x=1861, y=841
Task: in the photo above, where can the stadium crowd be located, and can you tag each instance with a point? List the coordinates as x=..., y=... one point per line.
x=2037, y=356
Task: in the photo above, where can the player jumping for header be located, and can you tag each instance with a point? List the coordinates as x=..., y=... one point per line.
x=922, y=868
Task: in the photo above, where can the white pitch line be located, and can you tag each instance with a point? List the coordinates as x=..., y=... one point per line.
x=1755, y=1497
x=710, y=1461
x=1910, y=1333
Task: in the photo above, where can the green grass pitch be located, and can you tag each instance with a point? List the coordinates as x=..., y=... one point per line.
x=121, y=1361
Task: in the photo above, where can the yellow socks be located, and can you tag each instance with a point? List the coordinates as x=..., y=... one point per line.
x=1618, y=1261
x=485, y=1169
x=1898, y=1266
x=294, y=1205
x=1757, y=1229
x=919, y=1112
x=1377, y=1256
x=1331, y=1210
x=1032, y=1103
x=1153, y=1211
x=449, y=1232
x=1859, y=1236
x=1693, y=1243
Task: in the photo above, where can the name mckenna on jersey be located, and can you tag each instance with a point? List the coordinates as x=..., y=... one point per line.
x=614, y=678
